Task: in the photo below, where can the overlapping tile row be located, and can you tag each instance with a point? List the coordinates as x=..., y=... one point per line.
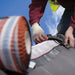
x=13, y=51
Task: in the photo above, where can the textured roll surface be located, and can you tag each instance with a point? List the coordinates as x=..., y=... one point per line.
x=14, y=48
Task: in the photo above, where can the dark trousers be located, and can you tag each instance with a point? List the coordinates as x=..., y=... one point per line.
x=65, y=22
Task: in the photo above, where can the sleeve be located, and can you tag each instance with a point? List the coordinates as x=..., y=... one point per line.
x=36, y=10
x=72, y=23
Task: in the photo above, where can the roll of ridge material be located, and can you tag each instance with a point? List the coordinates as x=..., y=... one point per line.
x=15, y=43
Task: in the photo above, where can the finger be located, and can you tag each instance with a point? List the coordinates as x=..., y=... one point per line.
x=45, y=37
x=67, y=46
x=36, y=41
x=41, y=38
x=35, y=38
x=71, y=42
x=66, y=41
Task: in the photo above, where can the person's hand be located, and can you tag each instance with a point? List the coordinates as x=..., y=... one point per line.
x=38, y=33
x=69, y=37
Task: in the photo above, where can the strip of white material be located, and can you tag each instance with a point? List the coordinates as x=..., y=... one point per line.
x=43, y=48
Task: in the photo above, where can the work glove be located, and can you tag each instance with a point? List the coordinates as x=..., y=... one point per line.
x=38, y=33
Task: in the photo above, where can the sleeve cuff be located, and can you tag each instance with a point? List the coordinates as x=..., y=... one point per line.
x=72, y=23
x=34, y=21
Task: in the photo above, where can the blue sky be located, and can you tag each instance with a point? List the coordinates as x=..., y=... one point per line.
x=21, y=7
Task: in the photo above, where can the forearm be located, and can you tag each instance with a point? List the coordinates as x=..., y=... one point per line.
x=36, y=10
